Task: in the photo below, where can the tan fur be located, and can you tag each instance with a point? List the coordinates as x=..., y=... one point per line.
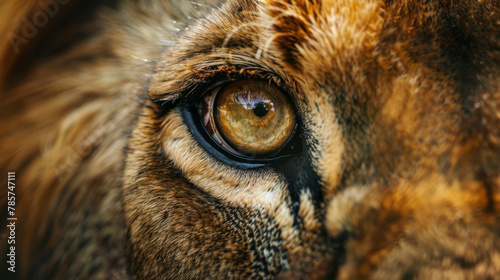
x=399, y=114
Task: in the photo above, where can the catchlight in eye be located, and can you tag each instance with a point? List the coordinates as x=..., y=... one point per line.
x=248, y=117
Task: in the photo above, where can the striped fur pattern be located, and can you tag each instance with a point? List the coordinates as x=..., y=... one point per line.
x=397, y=178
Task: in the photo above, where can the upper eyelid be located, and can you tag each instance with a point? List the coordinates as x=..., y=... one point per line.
x=194, y=88
x=196, y=75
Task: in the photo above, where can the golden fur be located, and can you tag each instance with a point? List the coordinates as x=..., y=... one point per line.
x=400, y=120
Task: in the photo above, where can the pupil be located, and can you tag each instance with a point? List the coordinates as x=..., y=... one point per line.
x=260, y=110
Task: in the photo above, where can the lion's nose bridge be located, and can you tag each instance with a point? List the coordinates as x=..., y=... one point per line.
x=357, y=217
x=368, y=223
x=418, y=222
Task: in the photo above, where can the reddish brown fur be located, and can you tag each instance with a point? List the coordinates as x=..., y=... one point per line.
x=399, y=108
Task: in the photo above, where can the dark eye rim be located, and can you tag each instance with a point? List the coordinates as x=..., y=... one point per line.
x=289, y=149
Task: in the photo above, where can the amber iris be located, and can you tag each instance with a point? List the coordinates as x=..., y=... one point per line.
x=253, y=117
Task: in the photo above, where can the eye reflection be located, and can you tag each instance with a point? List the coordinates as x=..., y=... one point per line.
x=248, y=117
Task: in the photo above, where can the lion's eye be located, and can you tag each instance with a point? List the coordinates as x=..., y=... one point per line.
x=248, y=118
